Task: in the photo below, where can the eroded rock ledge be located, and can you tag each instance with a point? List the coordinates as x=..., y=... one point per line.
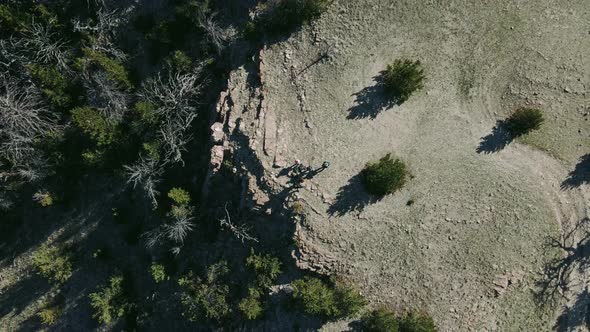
x=245, y=128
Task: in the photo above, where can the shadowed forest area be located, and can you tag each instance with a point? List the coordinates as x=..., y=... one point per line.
x=104, y=128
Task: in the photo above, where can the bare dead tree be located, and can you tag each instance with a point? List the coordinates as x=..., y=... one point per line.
x=23, y=118
x=173, y=98
x=105, y=30
x=216, y=35
x=178, y=229
x=175, y=231
x=145, y=173
x=104, y=95
x=45, y=45
x=239, y=231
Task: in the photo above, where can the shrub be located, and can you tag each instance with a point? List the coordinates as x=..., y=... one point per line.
x=110, y=302
x=50, y=314
x=314, y=297
x=348, y=299
x=179, y=196
x=385, y=176
x=93, y=125
x=147, y=112
x=114, y=69
x=11, y=21
x=208, y=298
x=179, y=61
x=251, y=306
x=43, y=198
x=297, y=207
x=158, y=272
x=53, y=84
x=285, y=15
x=402, y=78
x=380, y=320
x=266, y=268
x=417, y=322
x=524, y=120
x=53, y=263
x=152, y=149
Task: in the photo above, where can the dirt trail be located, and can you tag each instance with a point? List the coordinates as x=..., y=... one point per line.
x=472, y=247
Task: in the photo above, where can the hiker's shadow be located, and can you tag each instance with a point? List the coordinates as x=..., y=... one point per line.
x=497, y=140
x=351, y=197
x=580, y=175
x=372, y=100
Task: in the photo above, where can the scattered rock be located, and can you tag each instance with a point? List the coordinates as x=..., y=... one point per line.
x=217, y=132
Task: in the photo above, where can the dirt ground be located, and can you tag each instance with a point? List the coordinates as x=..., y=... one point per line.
x=474, y=247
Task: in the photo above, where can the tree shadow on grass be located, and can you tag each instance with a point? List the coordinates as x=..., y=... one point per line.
x=576, y=316
x=351, y=197
x=497, y=140
x=372, y=100
x=580, y=175
x=575, y=255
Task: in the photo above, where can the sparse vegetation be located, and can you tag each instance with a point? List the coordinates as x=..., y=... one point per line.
x=266, y=268
x=110, y=302
x=251, y=306
x=315, y=297
x=417, y=322
x=380, y=320
x=53, y=263
x=385, y=176
x=524, y=120
x=158, y=272
x=383, y=320
x=49, y=314
x=282, y=16
x=403, y=78
x=206, y=298
x=179, y=196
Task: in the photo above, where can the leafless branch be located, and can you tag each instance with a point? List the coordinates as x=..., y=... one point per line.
x=216, y=35
x=105, y=96
x=105, y=30
x=23, y=118
x=145, y=173
x=240, y=232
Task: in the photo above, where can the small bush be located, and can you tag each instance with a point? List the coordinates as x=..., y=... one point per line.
x=179, y=196
x=349, y=300
x=43, y=198
x=524, y=120
x=110, y=302
x=417, y=322
x=402, y=78
x=53, y=84
x=251, y=306
x=53, y=263
x=50, y=314
x=91, y=123
x=385, y=176
x=158, y=272
x=266, y=268
x=11, y=21
x=297, y=207
x=208, y=298
x=380, y=320
x=180, y=62
x=114, y=69
x=147, y=112
x=314, y=297
x=285, y=15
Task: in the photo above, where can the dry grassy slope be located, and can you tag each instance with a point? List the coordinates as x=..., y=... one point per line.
x=476, y=215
